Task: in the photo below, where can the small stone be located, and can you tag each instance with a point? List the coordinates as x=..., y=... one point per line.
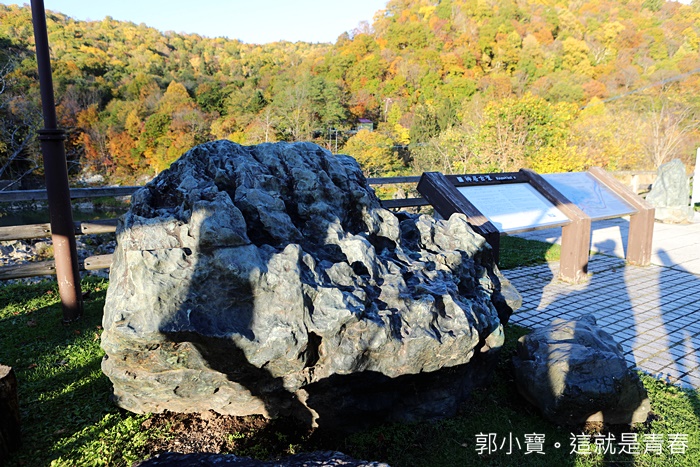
x=575, y=372
x=670, y=194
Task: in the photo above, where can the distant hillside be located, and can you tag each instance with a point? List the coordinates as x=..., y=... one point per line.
x=452, y=85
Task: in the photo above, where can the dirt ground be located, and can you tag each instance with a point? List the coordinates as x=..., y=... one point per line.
x=252, y=436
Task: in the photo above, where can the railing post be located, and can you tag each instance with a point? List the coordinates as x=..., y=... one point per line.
x=641, y=229
x=575, y=237
x=56, y=174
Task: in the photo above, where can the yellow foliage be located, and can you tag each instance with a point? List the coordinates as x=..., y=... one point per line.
x=176, y=98
x=692, y=40
x=558, y=159
x=427, y=11
x=237, y=137
x=606, y=139
x=133, y=124
x=374, y=152
x=576, y=57
x=402, y=134
x=223, y=128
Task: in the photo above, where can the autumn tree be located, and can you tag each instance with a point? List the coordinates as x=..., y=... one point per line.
x=603, y=136
x=20, y=117
x=526, y=132
x=461, y=84
x=449, y=152
x=668, y=127
x=375, y=153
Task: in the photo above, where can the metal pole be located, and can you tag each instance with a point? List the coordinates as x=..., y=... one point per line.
x=56, y=174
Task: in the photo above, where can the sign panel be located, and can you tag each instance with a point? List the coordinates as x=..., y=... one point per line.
x=590, y=195
x=514, y=207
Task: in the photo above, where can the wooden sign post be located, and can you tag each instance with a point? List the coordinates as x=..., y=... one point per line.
x=447, y=200
x=641, y=230
x=575, y=237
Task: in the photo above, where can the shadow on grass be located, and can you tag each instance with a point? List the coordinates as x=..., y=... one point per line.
x=61, y=388
x=498, y=412
x=623, y=306
x=680, y=313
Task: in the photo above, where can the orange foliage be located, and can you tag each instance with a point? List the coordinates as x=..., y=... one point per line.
x=594, y=88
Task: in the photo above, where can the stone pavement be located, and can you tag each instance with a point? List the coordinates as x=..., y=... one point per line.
x=653, y=312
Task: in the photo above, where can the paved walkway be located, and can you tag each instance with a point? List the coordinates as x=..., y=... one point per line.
x=653, y=312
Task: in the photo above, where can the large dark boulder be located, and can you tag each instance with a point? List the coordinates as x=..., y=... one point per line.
x=269, y=280
x=575, y=372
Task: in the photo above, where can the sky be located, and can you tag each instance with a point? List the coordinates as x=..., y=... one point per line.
x=251, y=21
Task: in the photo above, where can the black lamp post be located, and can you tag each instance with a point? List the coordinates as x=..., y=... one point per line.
x=56, y=174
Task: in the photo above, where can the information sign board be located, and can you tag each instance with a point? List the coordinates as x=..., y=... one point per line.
x=514, y=207
x=590, y=195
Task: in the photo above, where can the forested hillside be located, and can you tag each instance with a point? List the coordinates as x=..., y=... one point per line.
x=450, y=85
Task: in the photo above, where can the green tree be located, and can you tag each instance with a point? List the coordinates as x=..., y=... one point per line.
x=449, y=152
x=425, y=124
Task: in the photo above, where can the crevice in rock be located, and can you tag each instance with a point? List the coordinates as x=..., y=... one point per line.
x=331, y=252
x=311, y=353
x=381, y=243
x=360, y=269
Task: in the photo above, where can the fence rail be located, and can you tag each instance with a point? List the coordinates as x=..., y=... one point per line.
x=106, y=226
x=75, y=193
x=29, y=231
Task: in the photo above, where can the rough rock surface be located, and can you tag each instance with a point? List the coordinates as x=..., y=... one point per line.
x=319, y=459
x=575, y=372
x=670, y=194
x=268, y=280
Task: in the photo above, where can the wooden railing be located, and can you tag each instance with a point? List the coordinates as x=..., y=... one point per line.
x=42, y=268
x=40, y=195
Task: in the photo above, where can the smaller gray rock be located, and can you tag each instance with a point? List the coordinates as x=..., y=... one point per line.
x=575, y=372
x=670, y=194
x=313, y=459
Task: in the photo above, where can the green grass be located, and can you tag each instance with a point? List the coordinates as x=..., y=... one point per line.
x=501, y=411
x=516, y=251
x=66, y=414
x=68, y=419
